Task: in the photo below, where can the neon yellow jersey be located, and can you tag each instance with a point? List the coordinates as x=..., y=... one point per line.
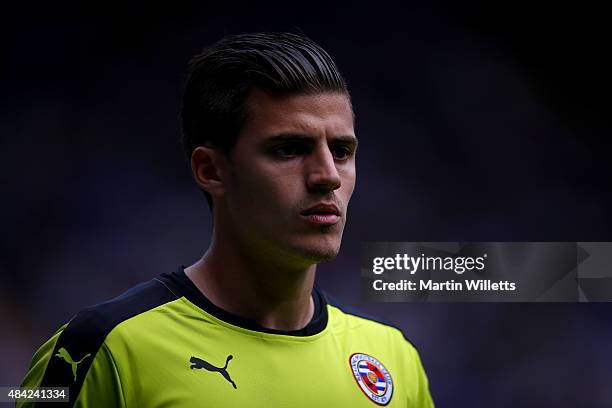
x=163, y=344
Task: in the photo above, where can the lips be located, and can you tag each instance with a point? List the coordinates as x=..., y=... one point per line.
x=322, y=214
x=322, y=209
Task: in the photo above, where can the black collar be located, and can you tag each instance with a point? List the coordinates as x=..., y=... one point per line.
x=181, y=285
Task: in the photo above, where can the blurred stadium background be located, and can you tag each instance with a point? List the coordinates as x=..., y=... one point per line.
x=477, y=122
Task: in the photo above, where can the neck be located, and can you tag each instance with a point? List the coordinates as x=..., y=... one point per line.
x=243, y=282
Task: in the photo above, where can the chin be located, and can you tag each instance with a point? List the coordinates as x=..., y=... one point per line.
x=312, y=248
x=319, y=251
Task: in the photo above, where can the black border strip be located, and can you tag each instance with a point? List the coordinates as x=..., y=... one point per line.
x=351, y=310
x=87, y=330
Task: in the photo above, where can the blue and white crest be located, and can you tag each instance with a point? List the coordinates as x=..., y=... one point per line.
x=372, y=378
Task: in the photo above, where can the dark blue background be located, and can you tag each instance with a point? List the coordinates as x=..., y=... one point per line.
x=476, y=123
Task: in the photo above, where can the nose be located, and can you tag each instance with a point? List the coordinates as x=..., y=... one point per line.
x=322, y=173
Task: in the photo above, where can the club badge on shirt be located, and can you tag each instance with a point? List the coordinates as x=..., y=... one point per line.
x=372, y=377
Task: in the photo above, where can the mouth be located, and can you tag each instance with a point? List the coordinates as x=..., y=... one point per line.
x=322, y=214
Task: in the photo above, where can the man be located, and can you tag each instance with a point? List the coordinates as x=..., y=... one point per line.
x=268, y=131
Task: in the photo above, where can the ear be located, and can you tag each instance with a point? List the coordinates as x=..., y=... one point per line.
x=208, y=166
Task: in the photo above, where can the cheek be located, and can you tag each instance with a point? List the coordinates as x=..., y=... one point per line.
x=348, y=184
x=266, y=194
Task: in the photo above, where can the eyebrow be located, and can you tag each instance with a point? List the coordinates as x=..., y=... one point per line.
x=280, y=137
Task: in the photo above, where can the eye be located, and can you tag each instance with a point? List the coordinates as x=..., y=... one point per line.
x=341, y=152
x=288, y=150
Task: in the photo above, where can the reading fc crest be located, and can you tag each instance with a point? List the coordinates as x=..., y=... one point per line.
x=372, y=377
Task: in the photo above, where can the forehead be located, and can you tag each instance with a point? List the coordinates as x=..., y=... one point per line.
x=320, y=114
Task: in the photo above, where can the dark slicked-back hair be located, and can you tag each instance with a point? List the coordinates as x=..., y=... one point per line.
x=220, y=79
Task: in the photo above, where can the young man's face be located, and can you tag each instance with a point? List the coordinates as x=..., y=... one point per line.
x=291, y=175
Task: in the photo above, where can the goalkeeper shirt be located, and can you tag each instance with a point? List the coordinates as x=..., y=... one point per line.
x=164, y=344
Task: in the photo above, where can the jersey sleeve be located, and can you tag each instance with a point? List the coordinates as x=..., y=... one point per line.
x=93, y=383
x=422, y=397
x=38, y=365
x=102, y=385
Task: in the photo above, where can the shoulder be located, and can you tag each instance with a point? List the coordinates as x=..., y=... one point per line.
x=378, y=338
x=354, y=319
x=91, y=325
x=79, y=344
